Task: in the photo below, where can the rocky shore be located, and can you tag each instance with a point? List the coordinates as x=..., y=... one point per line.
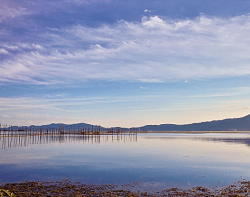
x=76, y=189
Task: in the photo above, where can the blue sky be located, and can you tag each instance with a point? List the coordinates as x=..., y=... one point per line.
x=123, y=63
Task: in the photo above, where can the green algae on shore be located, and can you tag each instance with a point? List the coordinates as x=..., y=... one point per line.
x=76, y=189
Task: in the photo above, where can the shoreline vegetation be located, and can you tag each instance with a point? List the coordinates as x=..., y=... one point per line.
x=77, y=189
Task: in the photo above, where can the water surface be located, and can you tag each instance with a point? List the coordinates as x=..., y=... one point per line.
x=160, y=160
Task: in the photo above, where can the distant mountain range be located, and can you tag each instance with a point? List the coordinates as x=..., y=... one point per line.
x=216, y=125
x=239, y=124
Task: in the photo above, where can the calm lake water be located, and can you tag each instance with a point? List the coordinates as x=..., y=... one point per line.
x=160, y=160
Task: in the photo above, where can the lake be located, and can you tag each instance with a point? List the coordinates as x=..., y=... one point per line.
x=155, y=159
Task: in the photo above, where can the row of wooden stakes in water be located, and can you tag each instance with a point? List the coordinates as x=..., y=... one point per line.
x=95, y=130
x=11, y=141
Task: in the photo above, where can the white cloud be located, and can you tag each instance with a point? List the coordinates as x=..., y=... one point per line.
x=53, y=29
x=154, y=50
x=3, y=51
x=146, y=10
x=37, y=46
x=151, y=80
x=29, y=46
x=10, y=47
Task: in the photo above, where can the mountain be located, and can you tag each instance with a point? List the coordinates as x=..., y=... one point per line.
x=239, y=124
x=68, y=126
x=59, y=125
x=216, y=125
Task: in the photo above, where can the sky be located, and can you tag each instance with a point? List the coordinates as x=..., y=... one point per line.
x=123, y=63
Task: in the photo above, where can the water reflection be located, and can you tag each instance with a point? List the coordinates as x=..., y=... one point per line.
x=245, y=141
x=22, y=140
x=237, y=138
x=234, y=138
x=165, y=160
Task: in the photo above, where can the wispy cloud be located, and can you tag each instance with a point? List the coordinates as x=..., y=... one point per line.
x=3, y=51
x=146, y=10
x=9, y=9
x=32, y=118
x=214, y=95
x=86, y=1
x=154, y=50
x=57, y=102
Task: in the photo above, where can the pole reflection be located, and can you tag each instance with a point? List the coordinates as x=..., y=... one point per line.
x=22, y=139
